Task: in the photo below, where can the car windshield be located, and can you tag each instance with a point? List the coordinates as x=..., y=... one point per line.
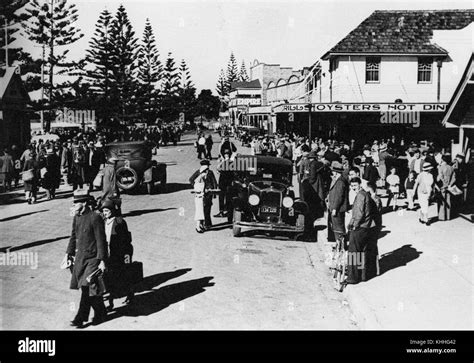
x=128, y=150
x=264, y=168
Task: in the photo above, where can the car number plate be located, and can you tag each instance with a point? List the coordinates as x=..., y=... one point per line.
x=269, y=209
x=267, y=175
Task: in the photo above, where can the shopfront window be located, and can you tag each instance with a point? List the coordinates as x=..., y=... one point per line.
x=372, y=70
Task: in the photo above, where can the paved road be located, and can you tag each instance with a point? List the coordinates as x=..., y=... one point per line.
x=192, y=281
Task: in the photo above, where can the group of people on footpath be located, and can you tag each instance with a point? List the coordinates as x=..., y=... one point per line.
x=347, y=183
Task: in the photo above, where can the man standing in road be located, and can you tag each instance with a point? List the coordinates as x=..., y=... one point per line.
x=227, y=145
x=88, y=247
x=359, y=228
x=337, y=202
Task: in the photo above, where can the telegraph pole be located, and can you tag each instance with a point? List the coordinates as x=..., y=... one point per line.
x=6, y=42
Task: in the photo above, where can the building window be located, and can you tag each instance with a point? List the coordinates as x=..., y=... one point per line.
x=424, y=70
x=372, y=70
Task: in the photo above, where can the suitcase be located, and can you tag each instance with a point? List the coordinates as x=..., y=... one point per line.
x=134, y=272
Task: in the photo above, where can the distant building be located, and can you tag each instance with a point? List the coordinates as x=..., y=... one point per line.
x=14, y=113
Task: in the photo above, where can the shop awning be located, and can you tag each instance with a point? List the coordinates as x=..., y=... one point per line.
x=461, y=108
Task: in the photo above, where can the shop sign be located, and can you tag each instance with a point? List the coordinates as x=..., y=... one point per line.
x=362, y=107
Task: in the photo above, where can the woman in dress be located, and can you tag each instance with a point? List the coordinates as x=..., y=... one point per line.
x=52, y=178
x=31, y=167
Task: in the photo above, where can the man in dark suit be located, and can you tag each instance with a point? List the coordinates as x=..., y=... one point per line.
x=88, y=247
x=359, y=227
x=337, y=202
x=95, y=159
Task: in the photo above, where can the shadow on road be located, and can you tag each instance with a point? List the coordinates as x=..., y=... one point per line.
x=176, y=187
x=397, y=258
x=135, y=213
x=21, y=215
x=32, y=244
x=152, y=281
x=155, y=300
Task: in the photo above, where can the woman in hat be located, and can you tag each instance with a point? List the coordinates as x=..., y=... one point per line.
x=52, y=178
x=424, y=186
x=31, y=168
x=120, y=252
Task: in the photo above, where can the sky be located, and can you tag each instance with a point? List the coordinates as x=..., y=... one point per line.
x=204, y=33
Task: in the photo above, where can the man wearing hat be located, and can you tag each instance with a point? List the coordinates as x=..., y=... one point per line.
x=206, y=176
x=360, y=233
x=424, y=186
x=314, y=192
x=384, y=155
x=460, y=172
x=109, y=185
x=88, y=247
x=337, y=203
x=226, y=144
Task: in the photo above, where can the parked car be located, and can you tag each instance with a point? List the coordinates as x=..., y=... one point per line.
x=135, y=166
x=263, y=196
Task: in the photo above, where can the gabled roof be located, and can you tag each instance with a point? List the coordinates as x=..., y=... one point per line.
x=6, y=77
x=401, y=31
x=255, y=84
x=461, y=107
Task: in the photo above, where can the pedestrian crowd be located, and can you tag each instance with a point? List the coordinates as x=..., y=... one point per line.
x=346, y=181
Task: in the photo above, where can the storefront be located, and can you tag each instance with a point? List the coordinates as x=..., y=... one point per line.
x=364, y=122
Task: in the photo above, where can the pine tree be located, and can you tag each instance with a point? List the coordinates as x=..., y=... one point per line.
x=187, y=92
x=170, y=91
x=184, y=77
x=243, y=75
x=232, y=72
x=11, y=15
x=150, y=72
x=170, y=78
x=51, y=25
x=99, y=59
x=124, y=64
x=221, y=86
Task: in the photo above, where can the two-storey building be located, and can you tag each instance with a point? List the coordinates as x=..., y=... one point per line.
x=393, y=74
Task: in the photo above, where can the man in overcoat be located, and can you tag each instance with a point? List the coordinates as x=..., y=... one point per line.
x=337, y=202
x=88, y=247
x=359, y=239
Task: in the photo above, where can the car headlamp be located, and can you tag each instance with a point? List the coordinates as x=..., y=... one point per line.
x=287, y=202
x=254, y=199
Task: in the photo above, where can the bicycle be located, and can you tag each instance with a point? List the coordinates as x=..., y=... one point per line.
x=340, y=258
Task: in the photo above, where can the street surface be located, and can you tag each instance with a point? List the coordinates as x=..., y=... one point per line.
x=215, y=281
x=192, y=281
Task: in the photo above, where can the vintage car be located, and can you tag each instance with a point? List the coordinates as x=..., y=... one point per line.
x=135, y=166
x=263, y=196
